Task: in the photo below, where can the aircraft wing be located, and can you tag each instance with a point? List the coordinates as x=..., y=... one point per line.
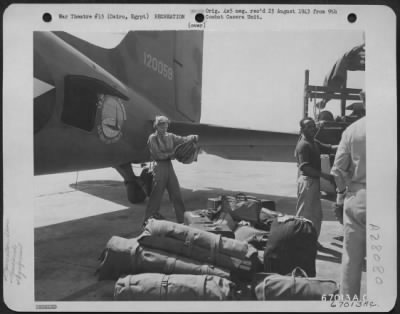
x=240, y=144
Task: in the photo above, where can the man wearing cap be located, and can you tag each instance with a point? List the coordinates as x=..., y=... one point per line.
x=162, y=146
x=349, y=170
x=307, y=153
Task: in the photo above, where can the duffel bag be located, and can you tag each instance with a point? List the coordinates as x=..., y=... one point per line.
x=291, y=287
x=150, y=286
x=116, y=258
x=242, y=207
x=125, y=256
x=199, y=245
x=256, y=237
x=292, y=242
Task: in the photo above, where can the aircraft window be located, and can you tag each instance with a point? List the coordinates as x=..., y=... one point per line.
x=80, y=103
x=80, y=100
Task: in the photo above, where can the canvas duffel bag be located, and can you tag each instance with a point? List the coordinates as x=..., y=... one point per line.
x=199, y=245
x=151, y=286
x=269, y=286
x=292, y=243
x=125, y=256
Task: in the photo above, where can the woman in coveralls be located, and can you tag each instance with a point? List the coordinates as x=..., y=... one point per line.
x=162, y=146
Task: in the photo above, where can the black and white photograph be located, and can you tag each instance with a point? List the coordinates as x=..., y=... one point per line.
x=158, y=158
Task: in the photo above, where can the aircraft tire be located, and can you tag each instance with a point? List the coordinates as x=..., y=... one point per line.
x=147, y=179
x=135, y=192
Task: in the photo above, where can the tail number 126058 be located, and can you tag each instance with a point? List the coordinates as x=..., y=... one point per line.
x=158, y=66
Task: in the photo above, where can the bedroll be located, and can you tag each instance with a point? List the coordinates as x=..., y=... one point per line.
x=125, y=256
x=174, y=287
x=199, y=245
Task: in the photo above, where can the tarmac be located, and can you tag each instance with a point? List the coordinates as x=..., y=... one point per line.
x=76, y=213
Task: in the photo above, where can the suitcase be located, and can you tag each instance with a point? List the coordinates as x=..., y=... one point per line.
x=214, y=202
x=269, y=286
x=269, y=204
x=175, y=287
x=196, y=216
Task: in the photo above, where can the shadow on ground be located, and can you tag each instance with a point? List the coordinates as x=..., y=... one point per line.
x=115, y=191
x=66, y=254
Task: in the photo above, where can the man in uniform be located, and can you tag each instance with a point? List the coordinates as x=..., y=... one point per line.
x=307, y=153
x=349, y=170
x=162, y=146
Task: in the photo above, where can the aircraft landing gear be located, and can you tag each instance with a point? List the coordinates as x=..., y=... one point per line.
x=134, y=186
x=147, y=180
x=135, y=192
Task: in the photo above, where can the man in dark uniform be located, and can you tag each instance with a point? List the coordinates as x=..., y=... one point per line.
x=162, y=147
x=307, y=153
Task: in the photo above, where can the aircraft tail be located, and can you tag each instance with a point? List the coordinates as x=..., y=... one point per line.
x=163, y=66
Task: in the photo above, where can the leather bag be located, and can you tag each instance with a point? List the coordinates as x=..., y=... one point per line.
x=212, y=218
x=242, y=207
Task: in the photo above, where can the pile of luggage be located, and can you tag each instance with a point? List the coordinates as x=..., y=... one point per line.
x=239, y=248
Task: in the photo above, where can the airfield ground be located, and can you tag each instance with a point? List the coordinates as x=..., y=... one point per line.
x=77, y=213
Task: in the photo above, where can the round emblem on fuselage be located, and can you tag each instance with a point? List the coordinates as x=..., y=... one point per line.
x=112, y=116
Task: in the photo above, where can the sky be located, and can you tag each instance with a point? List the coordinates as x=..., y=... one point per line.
x=256, y=79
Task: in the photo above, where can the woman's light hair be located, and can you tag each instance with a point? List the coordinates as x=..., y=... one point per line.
x=160, y=119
